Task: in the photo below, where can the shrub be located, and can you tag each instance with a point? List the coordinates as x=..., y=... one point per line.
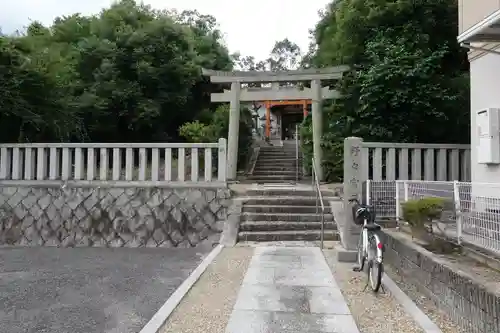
x=218, y=127
x=197, y=132
x=420, y=213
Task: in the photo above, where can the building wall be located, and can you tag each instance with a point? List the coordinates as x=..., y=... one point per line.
x=471, y=12
x=485, y=93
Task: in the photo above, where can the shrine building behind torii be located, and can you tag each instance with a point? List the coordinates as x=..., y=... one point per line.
x=313, y=95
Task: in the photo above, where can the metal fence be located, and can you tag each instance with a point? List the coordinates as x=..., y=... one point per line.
x=471, y=213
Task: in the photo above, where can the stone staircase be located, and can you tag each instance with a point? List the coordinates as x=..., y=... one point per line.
x=285, y=214
x=276, y=164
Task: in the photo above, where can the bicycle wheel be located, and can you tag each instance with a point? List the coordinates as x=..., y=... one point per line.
x=375, y=272
x=375, y=265
x=361, y=257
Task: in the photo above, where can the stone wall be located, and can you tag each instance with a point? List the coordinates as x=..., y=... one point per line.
x=111, y=217
x=467, y=300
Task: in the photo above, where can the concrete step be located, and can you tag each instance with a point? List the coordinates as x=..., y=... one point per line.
x=281, y=209
x=271, y=178
x=281, y=201
x=290, y=171
x=283, y=159
x=279, y=151
x=278, y=168
x=279, y=148
x=272, y=168
x=288, y=192
x=277, y=158
x=281, y=236
x=276, y=164
x=272, y=156
x=285, y=172
x=294, y=217
x=284, y=226
x=275, y=175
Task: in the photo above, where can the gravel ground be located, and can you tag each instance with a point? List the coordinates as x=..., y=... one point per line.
x=372, y=313
x=425, y=304
x=208, y=305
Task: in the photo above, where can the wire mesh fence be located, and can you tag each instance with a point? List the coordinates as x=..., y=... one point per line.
x=471, y=210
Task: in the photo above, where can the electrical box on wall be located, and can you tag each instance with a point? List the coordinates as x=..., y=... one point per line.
x=488, y=131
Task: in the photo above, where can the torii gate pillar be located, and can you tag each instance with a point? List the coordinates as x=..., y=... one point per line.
x=234, y=129
x=317, y=125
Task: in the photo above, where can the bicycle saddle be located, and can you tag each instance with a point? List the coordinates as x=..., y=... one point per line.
x=372, y=227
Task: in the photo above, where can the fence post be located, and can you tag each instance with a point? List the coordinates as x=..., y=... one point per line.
x=458, y=213
x=221, y=168
x=352, y=189
x=398, y=203
x=405, y=184
x=368, y=196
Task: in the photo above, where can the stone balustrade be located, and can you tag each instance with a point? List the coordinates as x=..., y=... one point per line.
x=91, y=162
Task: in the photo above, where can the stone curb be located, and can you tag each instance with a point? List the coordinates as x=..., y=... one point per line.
x=229, y=235
x=160, y=317
x=427, y=325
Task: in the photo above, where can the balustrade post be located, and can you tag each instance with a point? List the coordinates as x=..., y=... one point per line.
x=458, y=210
x=221, y=168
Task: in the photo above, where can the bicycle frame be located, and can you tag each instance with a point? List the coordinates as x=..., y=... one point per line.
x=365, y=239
x=378, y=244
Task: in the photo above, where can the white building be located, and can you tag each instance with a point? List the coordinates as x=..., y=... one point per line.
x=479, y=30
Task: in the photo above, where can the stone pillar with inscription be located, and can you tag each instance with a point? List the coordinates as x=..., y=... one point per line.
x=352, y=189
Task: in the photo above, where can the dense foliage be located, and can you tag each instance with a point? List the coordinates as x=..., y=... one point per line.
x=132, y=73
x=217, y=126
x=128, y=74
x=410, y=77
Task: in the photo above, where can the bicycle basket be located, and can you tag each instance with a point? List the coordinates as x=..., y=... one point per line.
x=360, y=213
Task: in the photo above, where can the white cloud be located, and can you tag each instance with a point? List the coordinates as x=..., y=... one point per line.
x=250, y=27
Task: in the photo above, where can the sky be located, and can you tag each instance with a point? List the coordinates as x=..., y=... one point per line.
x=250, y=27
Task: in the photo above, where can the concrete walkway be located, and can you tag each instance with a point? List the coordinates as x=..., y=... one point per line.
x=290, y=290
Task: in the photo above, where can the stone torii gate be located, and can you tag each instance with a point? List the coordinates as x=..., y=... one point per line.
x=236, y=94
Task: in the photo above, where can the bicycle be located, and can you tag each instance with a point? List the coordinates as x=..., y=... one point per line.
x=370, y=246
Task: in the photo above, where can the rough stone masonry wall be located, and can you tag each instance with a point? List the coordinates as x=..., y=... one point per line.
x=469, y=303
x=111, y=217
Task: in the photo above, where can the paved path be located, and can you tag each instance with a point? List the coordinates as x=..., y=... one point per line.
x=290, y=290
x=87, y=290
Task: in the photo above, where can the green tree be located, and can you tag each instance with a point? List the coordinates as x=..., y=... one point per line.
x=30, y=99
x=409, y=77
x=130, y=73
x=285, y=55
x=218, y=127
